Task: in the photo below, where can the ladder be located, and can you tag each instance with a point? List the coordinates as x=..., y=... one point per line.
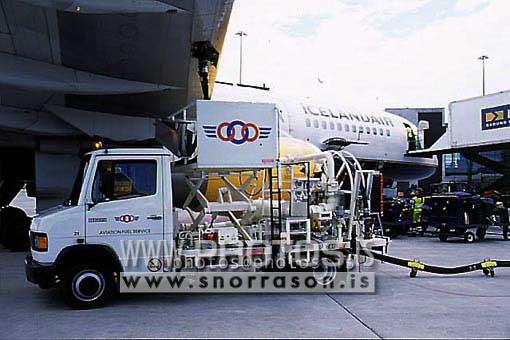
x=275, y=210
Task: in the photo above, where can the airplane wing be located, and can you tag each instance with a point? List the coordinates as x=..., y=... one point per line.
x=128, y=57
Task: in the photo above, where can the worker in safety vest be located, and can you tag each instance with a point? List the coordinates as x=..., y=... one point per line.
x=501, y=216
x=417, y=202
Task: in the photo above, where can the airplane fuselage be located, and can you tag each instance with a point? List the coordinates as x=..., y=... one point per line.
x=379, y=139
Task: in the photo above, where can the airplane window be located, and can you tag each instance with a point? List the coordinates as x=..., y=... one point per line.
x=308, y=122
x=388, y=133
x=346, y=128
x=374, y=130
x=316, y=123
x=381, y=132
x=324, y=124
x=361, y=129
x=331, y=125
x=368, y=130
x=354, y=128
x=339, y=126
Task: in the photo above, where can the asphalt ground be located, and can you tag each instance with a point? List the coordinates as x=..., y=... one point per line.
x=432, y=306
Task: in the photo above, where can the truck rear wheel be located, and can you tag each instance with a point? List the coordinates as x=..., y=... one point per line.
x=87, y=286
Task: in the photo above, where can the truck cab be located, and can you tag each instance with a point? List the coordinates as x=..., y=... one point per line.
x=120, y=196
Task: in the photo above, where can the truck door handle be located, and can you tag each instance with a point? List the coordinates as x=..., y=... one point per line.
x=155, y=217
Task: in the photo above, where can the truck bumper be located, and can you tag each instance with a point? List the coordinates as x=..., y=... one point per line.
x=42, y=275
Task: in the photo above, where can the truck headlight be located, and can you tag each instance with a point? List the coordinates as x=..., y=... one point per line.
x=39, y=241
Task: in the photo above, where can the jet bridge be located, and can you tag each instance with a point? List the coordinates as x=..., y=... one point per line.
x=477, y=125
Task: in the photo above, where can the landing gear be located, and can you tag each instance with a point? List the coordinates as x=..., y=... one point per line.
x=207, y=56
x=443, y=238
x=14, y=227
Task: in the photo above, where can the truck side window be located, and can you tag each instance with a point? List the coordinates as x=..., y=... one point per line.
x=122, y=179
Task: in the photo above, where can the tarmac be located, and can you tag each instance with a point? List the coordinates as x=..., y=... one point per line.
x=432, y=306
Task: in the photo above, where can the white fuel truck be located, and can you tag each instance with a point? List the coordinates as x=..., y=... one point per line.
x=246, y=196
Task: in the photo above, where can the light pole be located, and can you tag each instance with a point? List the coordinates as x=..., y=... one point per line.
x=483, y=59
x=241, y=34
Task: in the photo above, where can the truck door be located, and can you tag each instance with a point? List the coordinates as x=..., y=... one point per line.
x=126, y=210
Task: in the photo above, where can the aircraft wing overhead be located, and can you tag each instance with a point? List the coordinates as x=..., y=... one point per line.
x=134, y=55
x=338, y=143
x=106, y=7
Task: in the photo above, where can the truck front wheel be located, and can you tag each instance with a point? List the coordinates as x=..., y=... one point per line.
x=87, y=286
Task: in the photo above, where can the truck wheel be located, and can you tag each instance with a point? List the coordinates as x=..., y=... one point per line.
x=443, y=238
x=469, y=237
x=87, y=286
x=325, y=271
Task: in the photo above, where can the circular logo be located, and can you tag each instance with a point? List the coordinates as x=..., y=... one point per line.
x=237, y=132
x=127, y=218
x=154, y=265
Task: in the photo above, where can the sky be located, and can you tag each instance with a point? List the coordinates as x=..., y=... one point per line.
x=370, y=54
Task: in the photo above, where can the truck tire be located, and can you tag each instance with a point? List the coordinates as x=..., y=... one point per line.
x=325, y=271
x=86, y=286
x=443, y=238
x=469, y=237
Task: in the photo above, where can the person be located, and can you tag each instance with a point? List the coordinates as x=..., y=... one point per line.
x=417, y=203
x=411, y=139
x=502, y=218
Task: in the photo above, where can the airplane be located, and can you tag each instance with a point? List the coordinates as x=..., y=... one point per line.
x=380, y=140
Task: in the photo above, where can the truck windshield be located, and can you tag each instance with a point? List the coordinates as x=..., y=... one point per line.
x=75, y=193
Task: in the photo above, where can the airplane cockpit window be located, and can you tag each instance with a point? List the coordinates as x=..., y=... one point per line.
x=308, y=122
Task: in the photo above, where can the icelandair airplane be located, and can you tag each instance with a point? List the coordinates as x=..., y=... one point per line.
x=380, y=140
